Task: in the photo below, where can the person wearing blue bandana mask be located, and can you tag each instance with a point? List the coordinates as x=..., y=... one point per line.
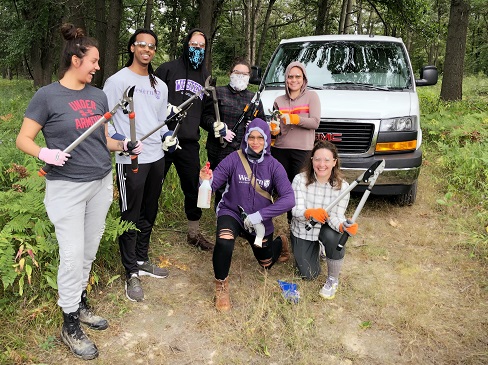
x=186, y=77
x=196, y=56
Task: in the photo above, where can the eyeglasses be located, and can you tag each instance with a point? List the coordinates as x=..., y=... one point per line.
x=143, y=44
x=319, y=160
x=236, y=72
x=196, y=44
x=257, y=138
x=298, y=77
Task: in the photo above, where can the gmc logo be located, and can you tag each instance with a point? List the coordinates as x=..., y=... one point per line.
x=332, y=137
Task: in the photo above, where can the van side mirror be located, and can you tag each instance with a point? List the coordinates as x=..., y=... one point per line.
x=255, y=78
x=428, y=76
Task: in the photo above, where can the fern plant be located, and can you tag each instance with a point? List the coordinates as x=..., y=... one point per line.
x=27, y=239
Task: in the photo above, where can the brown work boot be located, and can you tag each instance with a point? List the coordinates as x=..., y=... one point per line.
x=285, y=249
x=222, y=298
x=200, y=241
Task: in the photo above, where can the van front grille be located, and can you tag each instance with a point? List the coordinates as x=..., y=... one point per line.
x=348, y=137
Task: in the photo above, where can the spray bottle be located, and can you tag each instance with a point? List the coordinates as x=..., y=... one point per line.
x=205, y=191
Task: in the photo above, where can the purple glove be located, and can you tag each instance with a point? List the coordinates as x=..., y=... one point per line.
x=53, y=157
x=132, y=148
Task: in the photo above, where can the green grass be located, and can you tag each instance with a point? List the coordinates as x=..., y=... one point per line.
x=455, y=137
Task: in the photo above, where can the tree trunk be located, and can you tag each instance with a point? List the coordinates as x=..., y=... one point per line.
x=452, y=81
x=348, y=18
x=77, y=14
x=262, y=40
x=209, y=13
x=342, y=20
x=101, y=36
x=360, y=17
x=113, y=30
x=321, y=16
x=41, y=53
x=247, y=27
x=148, y=16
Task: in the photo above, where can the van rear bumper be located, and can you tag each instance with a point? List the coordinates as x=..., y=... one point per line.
x=401, y=171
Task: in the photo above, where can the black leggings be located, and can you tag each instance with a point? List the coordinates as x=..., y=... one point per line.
x=224, y=247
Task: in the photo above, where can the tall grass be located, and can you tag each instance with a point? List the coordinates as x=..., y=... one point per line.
x=455, y=136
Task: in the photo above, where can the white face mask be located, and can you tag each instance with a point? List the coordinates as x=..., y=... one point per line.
x=239, y=82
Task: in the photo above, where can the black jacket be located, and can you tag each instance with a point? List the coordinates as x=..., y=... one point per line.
x=231, y=106
x=183, y=82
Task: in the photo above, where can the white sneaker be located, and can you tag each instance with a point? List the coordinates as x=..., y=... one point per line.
x=329, y=289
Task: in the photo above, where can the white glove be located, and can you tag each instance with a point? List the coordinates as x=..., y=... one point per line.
x=251, y=220
x=220, y=129
x=169, y=144
x=172, y=110
x=229, y=136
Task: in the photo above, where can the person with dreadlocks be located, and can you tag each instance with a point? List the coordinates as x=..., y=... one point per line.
x=185, y=76
x=139, y=192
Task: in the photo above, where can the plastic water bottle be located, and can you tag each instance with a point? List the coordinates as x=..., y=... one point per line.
x=204, y=192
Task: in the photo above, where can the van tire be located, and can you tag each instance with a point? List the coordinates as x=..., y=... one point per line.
x=409, y=197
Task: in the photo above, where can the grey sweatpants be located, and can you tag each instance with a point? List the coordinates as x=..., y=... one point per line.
x=306, y=252
x=78, y=212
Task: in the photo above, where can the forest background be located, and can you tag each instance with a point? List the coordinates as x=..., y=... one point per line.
x=452, y=35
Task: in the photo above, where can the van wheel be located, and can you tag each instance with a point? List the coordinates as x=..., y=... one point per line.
x=409, y=197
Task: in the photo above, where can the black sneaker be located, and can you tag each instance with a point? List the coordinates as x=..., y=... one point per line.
x=133, y=289
x=148, y=268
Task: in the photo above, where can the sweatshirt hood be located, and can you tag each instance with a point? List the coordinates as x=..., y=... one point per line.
x=186, y=52
x=257, y=124
x=287, y=72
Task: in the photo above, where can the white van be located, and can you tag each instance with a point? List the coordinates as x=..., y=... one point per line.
x=370, y=108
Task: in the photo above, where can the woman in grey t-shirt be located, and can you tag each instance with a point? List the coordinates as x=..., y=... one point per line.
x=79, y=185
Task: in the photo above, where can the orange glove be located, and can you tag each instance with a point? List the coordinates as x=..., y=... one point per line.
x=290, y=118
x=349, y=227
x=319, y=214
x=274, y=126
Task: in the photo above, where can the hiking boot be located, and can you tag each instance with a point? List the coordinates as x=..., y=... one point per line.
x=285, y=249
x=222, y=298
x=150, y=269
x=87, y=317
x=72, y=335
x=329, y=289
x=133, y=289
x=200, y=241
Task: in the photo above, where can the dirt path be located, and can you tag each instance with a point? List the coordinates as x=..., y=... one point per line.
x=409, y=294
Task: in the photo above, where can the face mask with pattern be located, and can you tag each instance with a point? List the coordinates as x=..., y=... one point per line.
x=239, y=82
x=196, y=56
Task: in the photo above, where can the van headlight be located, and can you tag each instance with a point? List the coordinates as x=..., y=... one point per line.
x=400, y=124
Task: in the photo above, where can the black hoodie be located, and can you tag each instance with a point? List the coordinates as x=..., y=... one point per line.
x=183, y=82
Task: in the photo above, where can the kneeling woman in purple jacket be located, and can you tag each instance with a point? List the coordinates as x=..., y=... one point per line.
x=249, y=175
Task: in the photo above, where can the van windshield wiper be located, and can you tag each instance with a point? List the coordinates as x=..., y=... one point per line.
x=274, y=83
x=360, y=84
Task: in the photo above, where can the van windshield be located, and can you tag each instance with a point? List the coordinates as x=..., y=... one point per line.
x=344, y=64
